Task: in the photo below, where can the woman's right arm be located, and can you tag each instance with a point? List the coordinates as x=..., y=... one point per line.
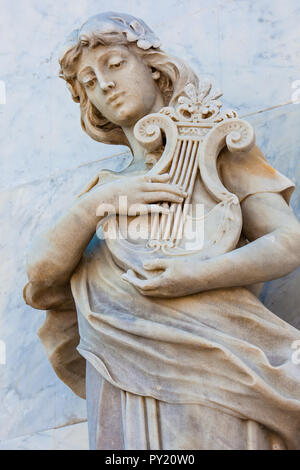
x=55, y=254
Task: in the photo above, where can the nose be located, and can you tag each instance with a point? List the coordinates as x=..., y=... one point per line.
x=105, y=85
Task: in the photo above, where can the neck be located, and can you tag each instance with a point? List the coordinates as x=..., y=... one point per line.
x=139, y=152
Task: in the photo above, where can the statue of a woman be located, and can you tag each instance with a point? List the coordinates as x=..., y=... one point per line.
x=180, y=352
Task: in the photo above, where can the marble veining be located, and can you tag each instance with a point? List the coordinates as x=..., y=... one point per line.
x=44, y=162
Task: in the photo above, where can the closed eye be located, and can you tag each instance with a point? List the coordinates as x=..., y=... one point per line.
x=116, y=65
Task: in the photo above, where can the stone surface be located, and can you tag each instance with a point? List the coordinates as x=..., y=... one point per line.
x=254, y=63
x=27, y=380
x=73, y=437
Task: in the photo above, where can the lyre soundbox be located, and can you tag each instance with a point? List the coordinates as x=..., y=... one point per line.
x=191, y=134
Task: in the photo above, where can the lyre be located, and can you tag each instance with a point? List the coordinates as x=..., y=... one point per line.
x=193, y=132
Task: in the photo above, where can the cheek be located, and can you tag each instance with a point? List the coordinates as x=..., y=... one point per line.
x=144, y=90
x=96, y=98
x=138, y=78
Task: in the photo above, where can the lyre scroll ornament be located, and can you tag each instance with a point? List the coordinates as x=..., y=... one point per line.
x=193, y=133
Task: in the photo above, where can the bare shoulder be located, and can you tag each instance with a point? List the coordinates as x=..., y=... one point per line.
x=266, y=212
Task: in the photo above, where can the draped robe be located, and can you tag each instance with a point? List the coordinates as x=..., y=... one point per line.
x=211, y=370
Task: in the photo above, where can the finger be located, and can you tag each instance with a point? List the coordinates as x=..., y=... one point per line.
x=157, y=209
x=153, y=293
x=144, y=209
x=163, y=196
x=160, y=178
x=155, y=264
x=128, y=275
x=172, y=188
x=143, y=285
x=159, y=292
x=147, y=178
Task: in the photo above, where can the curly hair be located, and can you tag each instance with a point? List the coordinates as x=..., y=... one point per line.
x=174, y=75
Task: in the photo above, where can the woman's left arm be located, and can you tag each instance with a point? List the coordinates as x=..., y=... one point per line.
x=274, y=251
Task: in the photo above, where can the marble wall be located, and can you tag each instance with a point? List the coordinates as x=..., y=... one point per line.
x=249, y=48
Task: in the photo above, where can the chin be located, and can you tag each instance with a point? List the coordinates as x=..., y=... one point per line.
x=128, y=115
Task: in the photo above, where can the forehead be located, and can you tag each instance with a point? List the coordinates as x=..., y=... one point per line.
x=99, y=54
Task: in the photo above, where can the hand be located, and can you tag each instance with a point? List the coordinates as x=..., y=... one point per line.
x=140, y=193
x=176, y=280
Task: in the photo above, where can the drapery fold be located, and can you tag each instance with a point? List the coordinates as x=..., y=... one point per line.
x=222, y=349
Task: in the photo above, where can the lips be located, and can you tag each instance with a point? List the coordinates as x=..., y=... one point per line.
x=114, y=97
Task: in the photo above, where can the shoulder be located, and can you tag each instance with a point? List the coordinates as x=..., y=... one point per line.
x=103, y=177
x=250, y=173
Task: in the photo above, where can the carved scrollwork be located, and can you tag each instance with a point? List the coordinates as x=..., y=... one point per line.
x=192, y=131
x=149, y=133
x=239, y=136
x=199, y=106
x=182, y=140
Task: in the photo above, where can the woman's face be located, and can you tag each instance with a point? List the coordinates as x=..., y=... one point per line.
x=118, y=83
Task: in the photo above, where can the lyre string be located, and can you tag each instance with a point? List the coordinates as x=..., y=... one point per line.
x=184, y=179
x=189, y=187
x=182, y=172
x=166, y=220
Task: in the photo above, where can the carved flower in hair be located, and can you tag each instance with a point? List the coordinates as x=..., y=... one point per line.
x=111, y=24
x=137, y=33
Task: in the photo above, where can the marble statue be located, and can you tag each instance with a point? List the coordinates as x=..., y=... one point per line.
x=151, y=279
